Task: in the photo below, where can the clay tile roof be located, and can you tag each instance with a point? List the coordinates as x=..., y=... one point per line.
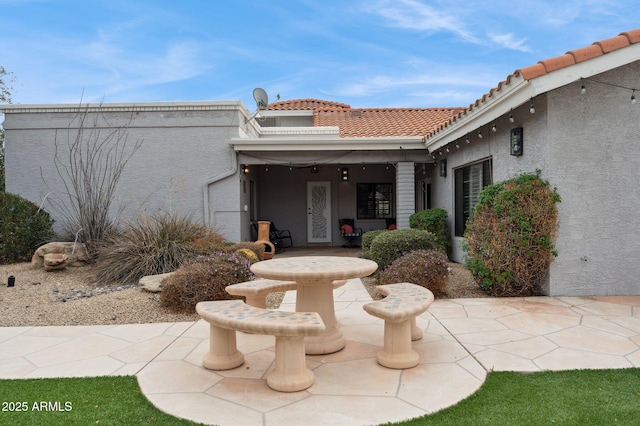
x=305, y=104
x=381, y=122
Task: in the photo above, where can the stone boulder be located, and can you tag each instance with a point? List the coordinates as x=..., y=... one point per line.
x=76, y=253
x=54, y=261
x=153, y=283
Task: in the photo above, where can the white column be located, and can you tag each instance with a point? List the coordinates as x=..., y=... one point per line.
x=405, y=193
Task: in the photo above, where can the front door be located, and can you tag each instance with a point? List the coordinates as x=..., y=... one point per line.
x=319, y=212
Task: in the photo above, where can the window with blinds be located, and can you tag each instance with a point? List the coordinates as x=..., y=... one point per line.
x=469, y=181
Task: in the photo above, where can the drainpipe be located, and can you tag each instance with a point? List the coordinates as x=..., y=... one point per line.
x=205, y=188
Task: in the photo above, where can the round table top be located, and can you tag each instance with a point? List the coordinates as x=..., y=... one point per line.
x=314, y=268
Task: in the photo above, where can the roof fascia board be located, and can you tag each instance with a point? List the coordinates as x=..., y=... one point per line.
x=125, y=107
x=286, y=113
x=508, y=97
x=333, y=144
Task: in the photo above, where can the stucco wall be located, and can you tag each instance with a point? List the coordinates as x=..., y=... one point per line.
x=181, y=151
x=594, y=161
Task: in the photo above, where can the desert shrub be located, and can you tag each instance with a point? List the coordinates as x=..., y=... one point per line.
x=257, y=248
x=23, y=228
x=510, y=238
x=367, y=239
x=204, y=278
x=434, y=221
x=388, y=246
x=153, y=245
x=248, y=254
x=427, y=268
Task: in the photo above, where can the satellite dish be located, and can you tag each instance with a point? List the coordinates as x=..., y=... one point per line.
x=262, y=100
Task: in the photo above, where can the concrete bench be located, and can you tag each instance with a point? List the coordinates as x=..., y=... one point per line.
x=225, y=317
x=256, y=291
x=398, y=309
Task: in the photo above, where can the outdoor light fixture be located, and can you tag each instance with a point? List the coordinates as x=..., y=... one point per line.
x=479, y=134
x=245, y=169
x=532, y=109
x=443, y=167
x=517, y=142
x=511, y=119
x=633, y=96
x=314, y=169
x=344, y=174
x=494, y=128
x=467, y=139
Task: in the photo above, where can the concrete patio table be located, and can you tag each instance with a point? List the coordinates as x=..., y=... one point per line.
x=314, y=276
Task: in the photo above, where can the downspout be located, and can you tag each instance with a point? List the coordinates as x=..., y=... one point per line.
x=205, y=188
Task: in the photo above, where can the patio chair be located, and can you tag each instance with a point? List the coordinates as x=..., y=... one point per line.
x=281, y=238
x=349, y=232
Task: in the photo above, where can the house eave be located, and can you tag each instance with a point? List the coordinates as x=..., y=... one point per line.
x=328, y=144
x=519, y=91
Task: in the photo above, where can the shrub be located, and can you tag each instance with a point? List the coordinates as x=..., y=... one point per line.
x=388, y=246
x=510, y=238
x=434, y=221
x=204, y=278
x=23, y=228
x=153, y=245
x=248, y=254
x=427, y=268
x=367, y=239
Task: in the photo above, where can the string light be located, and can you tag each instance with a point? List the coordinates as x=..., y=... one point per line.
x=467, y=139
x=532, y=109
x=633, y=90
x=447, y=148
x=457, y=145
x=479, y=134
x=494, y=128
x=511, y=119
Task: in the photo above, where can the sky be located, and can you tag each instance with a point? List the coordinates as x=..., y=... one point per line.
x=365, y=53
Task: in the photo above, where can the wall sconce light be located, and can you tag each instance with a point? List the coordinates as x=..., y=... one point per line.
x=344, y=174
x=314, y=169
x=245, y=169
x=517, y=142
x=443, y=167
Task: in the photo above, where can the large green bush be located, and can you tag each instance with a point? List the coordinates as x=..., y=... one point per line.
x=204, y=278
x=510, y=238
x=367, y=239
x=23, y=228
x=427, y=268
x=153, y=245
x=434, y=221
x=388, y=246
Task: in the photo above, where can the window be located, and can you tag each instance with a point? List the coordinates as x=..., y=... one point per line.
x=469, y=181
x=375, y=200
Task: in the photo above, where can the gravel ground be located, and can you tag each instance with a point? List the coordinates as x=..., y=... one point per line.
x=70, y=297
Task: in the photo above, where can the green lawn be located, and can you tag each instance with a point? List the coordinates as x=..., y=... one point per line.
x=578, y=397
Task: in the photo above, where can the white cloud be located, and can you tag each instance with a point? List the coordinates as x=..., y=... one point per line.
x=508, y=41
x=413, y=15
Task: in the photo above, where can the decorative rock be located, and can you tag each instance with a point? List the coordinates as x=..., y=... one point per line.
x=153, y=283
x=76, y=253
x=54, y=261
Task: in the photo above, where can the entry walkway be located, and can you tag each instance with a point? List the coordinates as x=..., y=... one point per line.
x=463, y=340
